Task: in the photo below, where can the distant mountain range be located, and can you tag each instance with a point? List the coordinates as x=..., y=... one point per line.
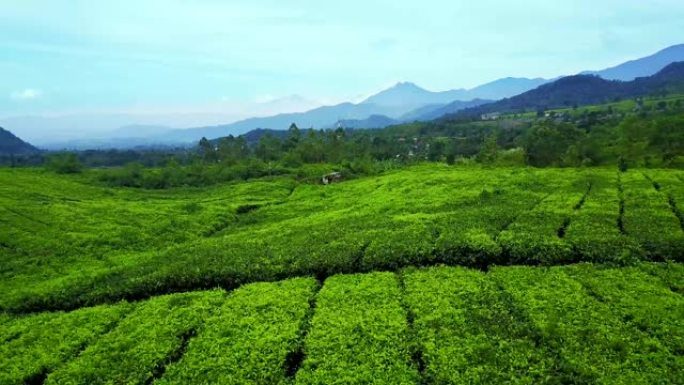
x=410, y=97
x=400, y=103
x=582, y=90
x=12, y=145
x=404, y=102
x=322, y=117
x=421, y=114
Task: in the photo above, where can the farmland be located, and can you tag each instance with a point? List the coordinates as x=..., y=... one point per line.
x=69, y=243
x=437, y=325
x=430, y=274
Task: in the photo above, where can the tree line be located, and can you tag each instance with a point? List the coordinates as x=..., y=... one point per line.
x=651, y=137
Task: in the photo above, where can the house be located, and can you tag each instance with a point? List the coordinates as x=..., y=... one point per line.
x=491, y=116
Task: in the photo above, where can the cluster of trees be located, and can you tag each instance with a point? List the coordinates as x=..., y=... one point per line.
x=400, y=145
x=633, y=142
x=306, y=146
x=650, y=136
x=64, y=163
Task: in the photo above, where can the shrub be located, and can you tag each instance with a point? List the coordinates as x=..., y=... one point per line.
x=64, y=163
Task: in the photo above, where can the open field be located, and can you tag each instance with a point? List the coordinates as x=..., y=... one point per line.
x=68, y=244
x=579, y=324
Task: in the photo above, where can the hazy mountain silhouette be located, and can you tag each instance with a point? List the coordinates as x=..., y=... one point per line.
x=409, y=94
x=12, y=145
x=645, y=66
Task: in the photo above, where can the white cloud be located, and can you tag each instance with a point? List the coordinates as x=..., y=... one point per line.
x=26, y=94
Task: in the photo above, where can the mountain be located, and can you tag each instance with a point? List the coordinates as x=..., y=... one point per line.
x=11, y=145
x=407, y=94
x=439, y=111
x=317, y=118
x=642, y=67
x=503, y=88
x=583, y=90
x=421, y=114
x=400, y=103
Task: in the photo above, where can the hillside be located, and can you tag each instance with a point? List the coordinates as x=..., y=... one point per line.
x=582, y=90
x=502, y=88
x=422, y=114
x=450, y=108
x=373, y=121
x=386, y=277
x=12, y=145
x=642, y=67
x=432, y=214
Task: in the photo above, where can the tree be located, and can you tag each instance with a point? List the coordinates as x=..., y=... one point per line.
x=668, y=137
x=634, y=140
x=572, y=157
x=547, y=142
x=294, y=136
x=436, y=151
x=232, y=150
x=65, y=163
x=311, y=149
x=489, y=150
x=207, y=150
x=269, y=148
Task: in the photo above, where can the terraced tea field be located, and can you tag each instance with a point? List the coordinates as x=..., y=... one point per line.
x=437, y=325
x=427, y=275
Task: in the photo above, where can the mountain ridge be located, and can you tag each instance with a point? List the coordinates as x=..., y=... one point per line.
x=641, y=67
x=11, y=144
x=578, y=90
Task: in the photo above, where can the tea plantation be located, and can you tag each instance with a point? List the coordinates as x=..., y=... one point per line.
x=432, y=274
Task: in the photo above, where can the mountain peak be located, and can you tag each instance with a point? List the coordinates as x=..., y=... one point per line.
x=406, y=85
x=402, y=93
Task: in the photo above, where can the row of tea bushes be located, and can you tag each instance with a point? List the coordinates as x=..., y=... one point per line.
x=579, y=323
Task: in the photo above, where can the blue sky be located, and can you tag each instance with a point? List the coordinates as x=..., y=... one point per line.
x=230, y=57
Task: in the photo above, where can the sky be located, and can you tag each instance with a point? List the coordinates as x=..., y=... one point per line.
x=203, y=61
